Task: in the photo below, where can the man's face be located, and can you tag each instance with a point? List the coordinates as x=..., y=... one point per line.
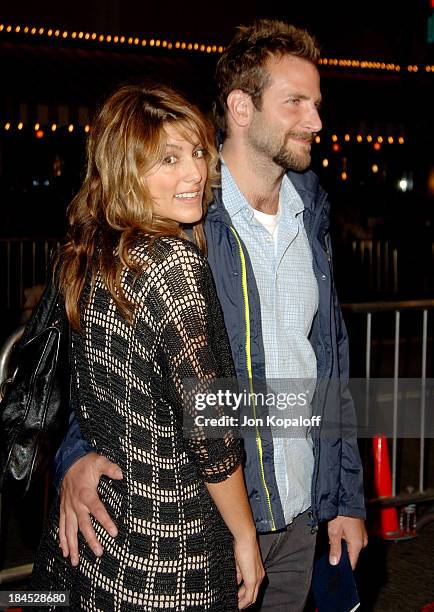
x=285, y=126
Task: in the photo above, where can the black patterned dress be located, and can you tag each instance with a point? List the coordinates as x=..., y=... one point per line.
x=173, y=551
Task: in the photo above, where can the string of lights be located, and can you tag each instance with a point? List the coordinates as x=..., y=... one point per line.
x=337, y=139
x=337, y=142
x=115, y=40
x=359, y=138
x=182, y=45
x=40, y=130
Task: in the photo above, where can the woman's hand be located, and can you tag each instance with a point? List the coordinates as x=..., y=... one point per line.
x=250, y=571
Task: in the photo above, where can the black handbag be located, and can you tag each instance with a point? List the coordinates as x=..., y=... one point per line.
x=36, y=402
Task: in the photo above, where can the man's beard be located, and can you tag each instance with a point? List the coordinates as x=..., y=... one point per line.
x=286, y=157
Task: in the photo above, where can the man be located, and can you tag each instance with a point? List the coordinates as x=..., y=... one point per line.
x=269, y=251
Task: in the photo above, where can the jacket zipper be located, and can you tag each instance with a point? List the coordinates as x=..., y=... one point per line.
x=249, y=371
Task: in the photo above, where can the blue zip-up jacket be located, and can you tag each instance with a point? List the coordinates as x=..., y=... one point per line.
x=337, y=483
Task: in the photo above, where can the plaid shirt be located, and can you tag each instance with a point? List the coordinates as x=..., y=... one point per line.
x=289, y=301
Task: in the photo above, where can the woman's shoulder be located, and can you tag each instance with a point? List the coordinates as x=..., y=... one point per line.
x=167, y=249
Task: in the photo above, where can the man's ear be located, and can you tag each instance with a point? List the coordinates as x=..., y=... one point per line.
x=240, y=107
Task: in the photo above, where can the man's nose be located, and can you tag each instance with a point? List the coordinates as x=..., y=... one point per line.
x=313, y=120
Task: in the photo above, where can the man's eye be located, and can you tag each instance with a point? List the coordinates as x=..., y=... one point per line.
x=295, y=101
x=170, y=159
x=199, y=153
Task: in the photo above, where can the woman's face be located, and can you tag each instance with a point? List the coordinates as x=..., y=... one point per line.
x=176, y=185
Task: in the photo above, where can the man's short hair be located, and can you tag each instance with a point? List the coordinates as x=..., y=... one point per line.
x=242, y=64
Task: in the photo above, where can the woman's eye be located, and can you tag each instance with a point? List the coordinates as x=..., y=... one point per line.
x=170, y=159
x=199, y=153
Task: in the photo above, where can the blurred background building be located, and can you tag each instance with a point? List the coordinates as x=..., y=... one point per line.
x=374, y=154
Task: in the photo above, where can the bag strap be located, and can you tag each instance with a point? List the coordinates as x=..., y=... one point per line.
x=46, y=311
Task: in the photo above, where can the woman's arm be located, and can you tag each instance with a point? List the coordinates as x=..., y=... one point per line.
x=230, y=497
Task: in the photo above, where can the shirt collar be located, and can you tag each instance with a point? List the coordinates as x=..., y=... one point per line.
x=233, y=198
x=290, y=200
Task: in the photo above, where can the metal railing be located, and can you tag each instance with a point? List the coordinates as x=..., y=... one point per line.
x=384, y=267
x=398, y=309
x=380, y=259
x=379, y=266
x=24, y=264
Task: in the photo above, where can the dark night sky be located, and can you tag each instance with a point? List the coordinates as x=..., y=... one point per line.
x=382, y=29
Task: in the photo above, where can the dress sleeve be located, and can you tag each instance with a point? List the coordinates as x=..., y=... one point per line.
x=196, y=346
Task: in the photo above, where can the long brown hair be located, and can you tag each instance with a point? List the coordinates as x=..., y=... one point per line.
x=113, y=207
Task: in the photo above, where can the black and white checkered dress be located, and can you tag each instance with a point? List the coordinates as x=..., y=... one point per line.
x=173, y=551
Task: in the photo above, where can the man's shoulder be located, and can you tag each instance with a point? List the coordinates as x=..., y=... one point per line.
x=306, y=181
x=216, y=208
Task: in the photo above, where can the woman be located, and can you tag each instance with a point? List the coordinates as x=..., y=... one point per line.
x=143, y=309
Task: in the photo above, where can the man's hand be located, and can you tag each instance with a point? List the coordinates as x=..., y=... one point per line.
x=79, y=499
x=353, y=531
